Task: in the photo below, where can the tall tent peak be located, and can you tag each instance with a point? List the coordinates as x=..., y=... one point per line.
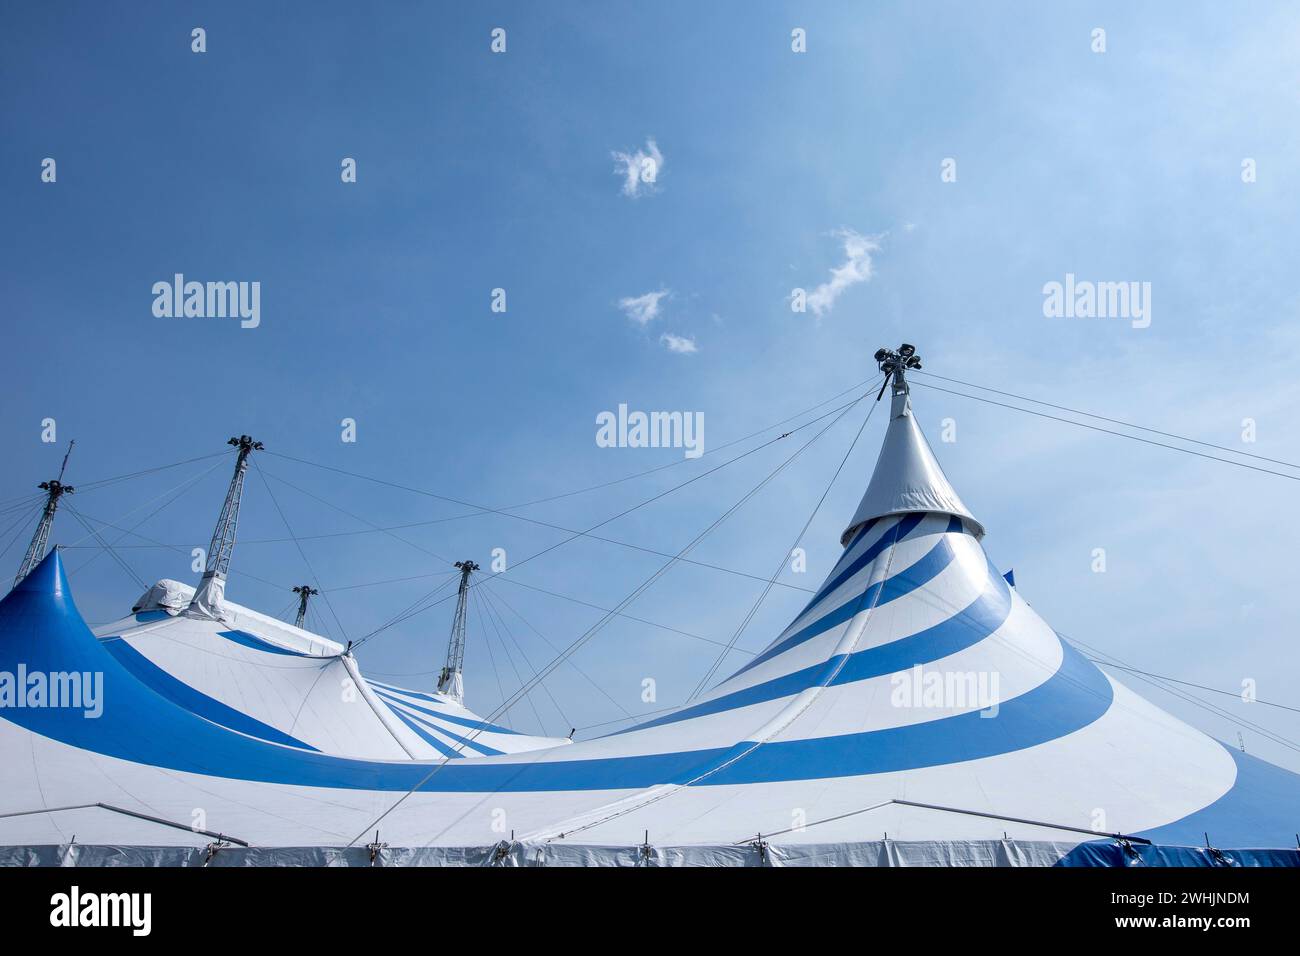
x=907, y=477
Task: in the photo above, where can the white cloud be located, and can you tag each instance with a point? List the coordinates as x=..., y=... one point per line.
x=855, y=268
x=640, y=170
x=678, y=343
x=642, y=309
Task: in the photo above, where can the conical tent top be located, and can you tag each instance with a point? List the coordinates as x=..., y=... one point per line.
x=907, y=477
x=48, y=577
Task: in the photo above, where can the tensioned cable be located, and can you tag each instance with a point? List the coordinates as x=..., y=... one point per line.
x=473, y=595
x=23, y=503
x=417, y=524
x=681, y=461
x=373, y=527
x=376, y=529
x=162, y=546
x=84, y=486
x=409, y=577
x=547, y=641
x=620, y=720
x=579, y=534
x=1110, y=431
x=1113, y=421
x=112, y=552
x=178, y=491
x=302, y=553
x=630, y=617
x=1196, y=701
x=490, y=602
x=284, y=611
x=483, y=509
x=20, y=524
x=415, y=606
x=722, y=655
x=179, y=549
x=842, y=409
x=26, y=500
x=487, y=613
x=1187, y=683
x=594, y=537
x=628, y=600
x=595, y=628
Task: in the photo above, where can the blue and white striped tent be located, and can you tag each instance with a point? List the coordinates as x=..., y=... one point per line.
x=268, y=679
x=916, y=711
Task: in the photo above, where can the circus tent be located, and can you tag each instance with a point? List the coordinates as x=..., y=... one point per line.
x=917, y=710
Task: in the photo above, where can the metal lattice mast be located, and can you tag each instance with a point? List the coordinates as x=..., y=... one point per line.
x=208, y=598
x=450, y=682
x=54, y=490
x=304, y=591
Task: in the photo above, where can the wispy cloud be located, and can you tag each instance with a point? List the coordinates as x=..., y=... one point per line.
x=678, y=343
x=640, y=170
x=855, y=268
x=642, y=309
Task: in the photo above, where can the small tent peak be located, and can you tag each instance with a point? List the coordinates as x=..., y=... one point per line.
x=48, y=577
x=907, y=477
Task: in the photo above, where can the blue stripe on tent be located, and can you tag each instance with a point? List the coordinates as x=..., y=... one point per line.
x=964, y=629
x=848, y=564
x=920, y=573
x=1235, y=818
x=483, y=749
x=1075, y=696
x=258, y=644
x=906, y=526
x=431, y=740
x=860, y=534
x=450, y=718
x=178, y=692
x=402, y=690
x=901, y=530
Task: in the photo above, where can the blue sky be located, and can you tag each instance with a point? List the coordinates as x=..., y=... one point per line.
x=479, y=171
